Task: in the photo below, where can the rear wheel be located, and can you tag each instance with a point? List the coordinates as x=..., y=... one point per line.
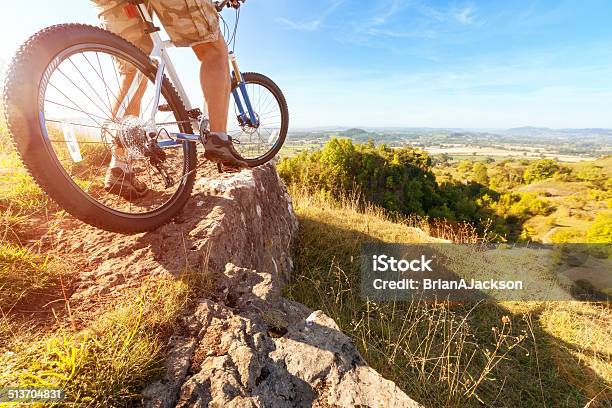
x=68, y=120
x=259, y=144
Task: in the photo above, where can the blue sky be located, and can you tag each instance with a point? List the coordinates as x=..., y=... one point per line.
x=409, y=63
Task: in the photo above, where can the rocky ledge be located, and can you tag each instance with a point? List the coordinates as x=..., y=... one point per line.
x=241, y=344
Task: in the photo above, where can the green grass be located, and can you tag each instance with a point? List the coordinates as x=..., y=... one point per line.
x=17, y=188
x=21, y=200
x=25, y=275
x=110, y=359
x=491, y=354
x=554, y=188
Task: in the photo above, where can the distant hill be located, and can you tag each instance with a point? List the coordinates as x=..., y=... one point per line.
x=353, y=132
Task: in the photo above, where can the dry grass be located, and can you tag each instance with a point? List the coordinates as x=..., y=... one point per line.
x=488, y=354
x=585, y=331
x=352, y=210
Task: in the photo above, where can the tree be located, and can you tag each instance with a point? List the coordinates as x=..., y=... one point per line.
x=480, y=174
x=443, y=158
x=540, y=170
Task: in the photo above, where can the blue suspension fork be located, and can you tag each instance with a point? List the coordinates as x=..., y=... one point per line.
x=251, y=119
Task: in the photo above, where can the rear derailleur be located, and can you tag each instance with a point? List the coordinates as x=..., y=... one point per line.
x=157, y=157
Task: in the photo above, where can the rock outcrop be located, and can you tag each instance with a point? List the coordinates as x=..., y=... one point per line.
x=252, y=348
x=241, y=344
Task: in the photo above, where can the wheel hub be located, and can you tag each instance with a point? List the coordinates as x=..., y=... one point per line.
x=249, y=128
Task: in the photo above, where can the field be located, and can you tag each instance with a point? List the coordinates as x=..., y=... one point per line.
x=478, y=152
x=574, y=196
x=568, y=145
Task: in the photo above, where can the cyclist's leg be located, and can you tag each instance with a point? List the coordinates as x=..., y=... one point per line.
x=120, y=178
x=215, y=80
x=196, y=24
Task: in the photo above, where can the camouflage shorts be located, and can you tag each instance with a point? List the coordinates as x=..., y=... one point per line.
x=187, y=22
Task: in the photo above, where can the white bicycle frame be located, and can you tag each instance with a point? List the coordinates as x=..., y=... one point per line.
x=160, y=55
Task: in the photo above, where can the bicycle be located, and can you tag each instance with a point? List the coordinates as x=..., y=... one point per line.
x=69, y=116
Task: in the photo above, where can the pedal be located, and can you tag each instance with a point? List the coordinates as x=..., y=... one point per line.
x=194, y=114
x=164, y=108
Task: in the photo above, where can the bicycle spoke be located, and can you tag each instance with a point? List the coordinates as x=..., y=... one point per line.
x=83, y=92
x=149, y=104
x=97, y=172
x=79, y=142
x=91, y=116
x=101, y=76
x=110, y=110
x=271, y=101
x=72, y=123
x=114, y=64
x=103, y=79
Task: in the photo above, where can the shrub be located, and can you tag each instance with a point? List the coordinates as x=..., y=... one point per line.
x=600, y=232
x=480, y=174
x=591, y=173
x=521, y=205
x=402, y=181
x=567, y=235
x=399, y=179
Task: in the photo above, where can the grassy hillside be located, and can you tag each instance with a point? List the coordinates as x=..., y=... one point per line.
x=101, y=357
x=491, y=354
x=562, y=201
x=508, y=200
x=506, y=355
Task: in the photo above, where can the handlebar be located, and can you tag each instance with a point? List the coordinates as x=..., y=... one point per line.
x=229, y=3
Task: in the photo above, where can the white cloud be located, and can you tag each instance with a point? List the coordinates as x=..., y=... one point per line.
x=311, y=25
x=429, y=34
x=390, y=10
x=464, y=15
x=432, y=22
x=300, y=25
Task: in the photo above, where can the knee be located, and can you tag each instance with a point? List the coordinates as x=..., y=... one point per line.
x=211, y=51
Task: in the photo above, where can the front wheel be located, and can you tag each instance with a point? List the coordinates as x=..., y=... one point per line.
x=78, y=129
x=258, y=144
